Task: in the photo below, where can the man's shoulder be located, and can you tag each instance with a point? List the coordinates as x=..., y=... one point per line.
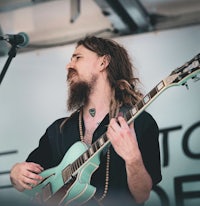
x=144, y=115
x=58, y=121
x=62, y=121
x=145, y=119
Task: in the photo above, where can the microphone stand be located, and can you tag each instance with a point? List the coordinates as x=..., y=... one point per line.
x=12, y=53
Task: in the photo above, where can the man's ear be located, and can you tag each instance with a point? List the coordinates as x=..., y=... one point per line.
x=105, y=61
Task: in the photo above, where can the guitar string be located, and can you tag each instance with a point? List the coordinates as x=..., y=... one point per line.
x=99, y=200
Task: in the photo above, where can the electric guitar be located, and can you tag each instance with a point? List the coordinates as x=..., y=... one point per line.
x=69, y=182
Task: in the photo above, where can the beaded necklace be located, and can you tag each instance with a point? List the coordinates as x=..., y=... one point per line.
x=107, y=163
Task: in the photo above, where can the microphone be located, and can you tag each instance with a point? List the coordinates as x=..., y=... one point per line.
x=20, y=40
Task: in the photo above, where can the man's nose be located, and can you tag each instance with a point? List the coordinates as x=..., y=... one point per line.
x=70, y=65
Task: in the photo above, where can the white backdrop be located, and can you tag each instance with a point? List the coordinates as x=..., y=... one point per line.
x=33, y=94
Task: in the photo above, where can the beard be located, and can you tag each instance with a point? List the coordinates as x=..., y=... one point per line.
x=79, y=93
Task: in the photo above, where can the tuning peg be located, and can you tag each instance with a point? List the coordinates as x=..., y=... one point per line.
x=196, y=78
x=186, y=85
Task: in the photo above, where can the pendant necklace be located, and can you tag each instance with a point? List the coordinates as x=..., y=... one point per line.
x=99, y=201
x=92, y=112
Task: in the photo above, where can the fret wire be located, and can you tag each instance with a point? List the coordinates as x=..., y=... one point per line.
x=85, y=156
x=101, y=141
x=134, y=111
x=153, y=92
x=160, y=85
x=146, y=99
x=73, y=167
x=140, y=105
x=76, y=164
x=79, y=162
x=128, y=115
x=88, y=154
x=82, y=159
x=105, y=138
x=91, y=151
x=95, y=146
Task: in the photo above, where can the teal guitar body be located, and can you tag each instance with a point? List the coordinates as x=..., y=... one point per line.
x=68, y=185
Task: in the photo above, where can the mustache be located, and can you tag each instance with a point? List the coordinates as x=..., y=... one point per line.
x=71, y=73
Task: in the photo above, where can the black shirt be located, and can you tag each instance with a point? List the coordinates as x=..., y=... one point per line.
x=58, y=139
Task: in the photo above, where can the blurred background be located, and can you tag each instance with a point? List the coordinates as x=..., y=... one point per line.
x=51, y=22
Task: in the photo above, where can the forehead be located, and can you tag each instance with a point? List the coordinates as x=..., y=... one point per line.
x=83, y=51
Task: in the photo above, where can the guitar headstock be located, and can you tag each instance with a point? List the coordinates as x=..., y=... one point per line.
x=189, y=70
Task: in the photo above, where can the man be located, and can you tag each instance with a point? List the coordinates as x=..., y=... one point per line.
x=102, y=89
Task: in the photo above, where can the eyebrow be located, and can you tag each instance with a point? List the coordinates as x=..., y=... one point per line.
x=74, y=55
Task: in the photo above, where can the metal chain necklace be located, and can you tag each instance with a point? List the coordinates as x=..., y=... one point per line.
x=107, y=163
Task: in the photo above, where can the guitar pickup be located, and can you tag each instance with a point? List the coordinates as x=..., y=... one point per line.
x=67, y=174
x=46, y=192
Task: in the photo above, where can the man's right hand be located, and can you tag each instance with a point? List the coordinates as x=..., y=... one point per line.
x=25, y=175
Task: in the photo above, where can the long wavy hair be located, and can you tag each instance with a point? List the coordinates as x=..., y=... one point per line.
x=120, y=71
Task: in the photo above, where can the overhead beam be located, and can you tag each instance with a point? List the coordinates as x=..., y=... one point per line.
x=127, y=16
x=136, y=11
x=75, y=10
